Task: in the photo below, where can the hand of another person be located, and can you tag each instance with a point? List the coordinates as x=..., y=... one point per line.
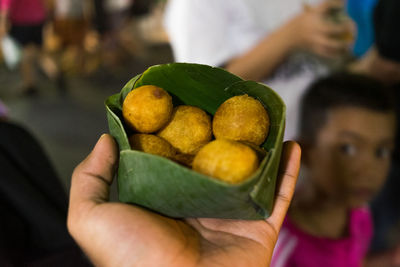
x=3, y=29
x=117, y=234
x=396, y=256
x=312, y=31
x=390, y=258
x=378, y=67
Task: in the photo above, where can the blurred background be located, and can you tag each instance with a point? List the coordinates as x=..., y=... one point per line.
x=56, y=73
x=67, y=116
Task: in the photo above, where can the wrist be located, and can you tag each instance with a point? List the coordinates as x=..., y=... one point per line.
x=395, y=257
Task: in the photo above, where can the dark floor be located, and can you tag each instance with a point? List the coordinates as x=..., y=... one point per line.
x=68, y=125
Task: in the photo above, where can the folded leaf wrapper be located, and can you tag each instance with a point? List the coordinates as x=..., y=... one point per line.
x=168, y=188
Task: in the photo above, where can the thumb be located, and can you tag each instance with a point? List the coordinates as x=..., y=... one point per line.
x=92, y=178
x=288, y=173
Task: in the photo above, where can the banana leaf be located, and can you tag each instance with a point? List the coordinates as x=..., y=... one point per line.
x=168, y=188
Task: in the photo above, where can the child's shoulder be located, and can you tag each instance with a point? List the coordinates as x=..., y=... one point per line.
x=363, y=211
x=361, y=222
x=303, y=249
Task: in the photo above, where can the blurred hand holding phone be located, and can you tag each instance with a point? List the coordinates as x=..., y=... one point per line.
x=337, y=14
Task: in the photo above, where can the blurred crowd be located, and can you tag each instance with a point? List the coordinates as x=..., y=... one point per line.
x=336, y=65
x=62, y=38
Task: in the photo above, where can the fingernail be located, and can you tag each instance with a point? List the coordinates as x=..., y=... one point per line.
x=100, y=138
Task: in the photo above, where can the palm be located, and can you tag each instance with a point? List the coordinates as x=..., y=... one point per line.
x=115, y=234
x=179, y=242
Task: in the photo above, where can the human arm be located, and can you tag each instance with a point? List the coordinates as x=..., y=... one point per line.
x=116, y=234
x=374, y=65
x=308, y=31
x=390, y=258
x=4, y=9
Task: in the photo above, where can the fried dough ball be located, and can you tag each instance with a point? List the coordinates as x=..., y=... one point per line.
x=147, y=109
x=152, y=144
x=241, y=118
x=184, y=159
x=188, y=130
x=260, y=151
x=226, y=160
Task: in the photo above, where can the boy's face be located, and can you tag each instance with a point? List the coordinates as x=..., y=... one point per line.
x=351, y=156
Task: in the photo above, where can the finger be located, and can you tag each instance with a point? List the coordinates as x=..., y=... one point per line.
x=92, y=177
x=329, y=29
x=287, y=177
x=326, y=5
x=329, y=47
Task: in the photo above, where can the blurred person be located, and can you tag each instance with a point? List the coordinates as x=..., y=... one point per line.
x=119, y=234
x=33, y=205
x=150, y=26
x=24, y=20
x=347, y=128
x=383, y=63
x=117, y=13
x=100, y=19
x=71, y=25
x=286, y=44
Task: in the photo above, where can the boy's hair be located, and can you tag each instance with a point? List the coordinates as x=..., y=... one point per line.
x=335, y=91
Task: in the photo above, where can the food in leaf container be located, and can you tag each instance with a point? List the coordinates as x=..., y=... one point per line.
x=241, y=118
x=147, y=108
x=184, y=159
x=188, y=130
x=166, y=187
x=152, y=144
x=226, y=160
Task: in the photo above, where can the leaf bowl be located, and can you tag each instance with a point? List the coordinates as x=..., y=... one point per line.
x=166, y=187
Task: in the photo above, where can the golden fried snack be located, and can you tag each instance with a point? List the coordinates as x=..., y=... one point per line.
x=184, y=159
x=147, y=109
x=152, y=144
x=226, y=160
x=188, y=130
x=260, y=151
x=241, y=118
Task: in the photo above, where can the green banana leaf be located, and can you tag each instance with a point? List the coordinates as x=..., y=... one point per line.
x=168, y=188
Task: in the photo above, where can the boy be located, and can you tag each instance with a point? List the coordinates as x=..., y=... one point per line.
x=347, y=130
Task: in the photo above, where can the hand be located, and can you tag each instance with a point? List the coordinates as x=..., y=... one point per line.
x=374, y=65
x=311, y=31
x=116, y=234
x=396, y=256
x=389, y=257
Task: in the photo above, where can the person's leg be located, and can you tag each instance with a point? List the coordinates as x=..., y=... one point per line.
x=27, y=36
x=49, y=65
x=29, y=56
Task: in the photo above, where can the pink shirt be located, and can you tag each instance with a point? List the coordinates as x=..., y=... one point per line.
x=297, y=248
x=24, y=12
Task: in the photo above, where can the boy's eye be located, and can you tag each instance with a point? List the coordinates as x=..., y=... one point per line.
x=348, y=149
x=383, y=152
